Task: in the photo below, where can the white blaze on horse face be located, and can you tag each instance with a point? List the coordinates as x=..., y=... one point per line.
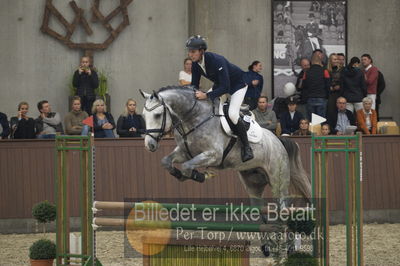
x=154, y=121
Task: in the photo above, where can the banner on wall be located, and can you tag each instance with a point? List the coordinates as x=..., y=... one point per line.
x=299, y=28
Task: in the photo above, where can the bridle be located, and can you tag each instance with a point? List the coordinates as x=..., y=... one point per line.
x=177, y=124
x=160, y=130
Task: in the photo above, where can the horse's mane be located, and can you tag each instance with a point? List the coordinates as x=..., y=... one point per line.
x=175, y=87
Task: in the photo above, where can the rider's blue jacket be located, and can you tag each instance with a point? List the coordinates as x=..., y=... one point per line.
x=227, y=77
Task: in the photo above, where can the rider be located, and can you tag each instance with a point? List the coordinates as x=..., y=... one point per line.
x=227, y=78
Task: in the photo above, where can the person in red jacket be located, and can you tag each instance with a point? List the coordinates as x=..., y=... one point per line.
x=371, y=77
x=366, y=118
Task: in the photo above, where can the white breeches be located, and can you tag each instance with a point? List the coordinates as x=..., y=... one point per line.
x=236, y=102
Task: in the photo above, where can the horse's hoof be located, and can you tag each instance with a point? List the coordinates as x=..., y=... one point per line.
x=265, y=250
x=209, y=174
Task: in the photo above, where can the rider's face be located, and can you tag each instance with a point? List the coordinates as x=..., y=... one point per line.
x=195, y=55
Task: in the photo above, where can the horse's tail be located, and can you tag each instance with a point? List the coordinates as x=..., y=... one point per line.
x=299, y=179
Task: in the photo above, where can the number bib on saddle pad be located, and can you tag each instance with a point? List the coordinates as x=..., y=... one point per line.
x=254, y=131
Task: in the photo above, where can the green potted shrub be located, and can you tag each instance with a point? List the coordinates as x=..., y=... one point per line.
x=44, y=212
x=43, y=251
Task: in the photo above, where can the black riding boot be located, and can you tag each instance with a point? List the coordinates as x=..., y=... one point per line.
x=247, y=153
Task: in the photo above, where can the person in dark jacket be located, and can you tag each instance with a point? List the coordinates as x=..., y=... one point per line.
x=130, y=124
x=85, y=81
x=354, y=86
x=342, y=119
x=316, y=83
x=103, y=121
x=227, y=78
x=5, y=127
x=290, y=121
x=255, y=84
x=22, y=126
x=302, y=104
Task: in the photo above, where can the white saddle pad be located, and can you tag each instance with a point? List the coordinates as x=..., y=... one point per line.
x=254, y=134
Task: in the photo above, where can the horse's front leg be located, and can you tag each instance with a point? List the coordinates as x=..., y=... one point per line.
x=177, y=156
x=205, y=159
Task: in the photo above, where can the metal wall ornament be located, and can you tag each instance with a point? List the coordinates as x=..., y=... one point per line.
x=79, y=19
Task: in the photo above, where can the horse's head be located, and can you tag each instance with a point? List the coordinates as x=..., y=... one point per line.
x=158, y=120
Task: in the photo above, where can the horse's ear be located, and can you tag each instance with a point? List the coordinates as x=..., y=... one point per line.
x=144, y=94
x=155, y=95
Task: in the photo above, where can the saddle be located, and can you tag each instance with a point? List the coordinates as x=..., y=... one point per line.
x=254, y=131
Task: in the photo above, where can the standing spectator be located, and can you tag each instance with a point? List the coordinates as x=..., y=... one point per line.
x=367, y=118
x=22, y=126
x=73, y=120
x=103, y=121
x=353, y=84
x=325, y=129
x=48, y=124
x=316, y=84
x=290, y=121
x=371, y=77
x=255, y=84
x=86, y=81
x=335, y=91
x=341, y=59
x=130, y=124
x=302, y=104
x=4, y=126
x=185, y=75
x=321, y=55
x=304, y=129
x=343, y=118
x=265, y=117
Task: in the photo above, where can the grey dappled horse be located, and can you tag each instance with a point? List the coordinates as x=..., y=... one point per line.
x=201, y=142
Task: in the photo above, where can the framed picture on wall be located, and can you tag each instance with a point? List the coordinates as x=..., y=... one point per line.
x=299, y=28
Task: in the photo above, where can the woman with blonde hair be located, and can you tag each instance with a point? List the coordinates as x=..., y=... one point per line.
x=130, y=124
x=103, y=121
x=334, y=68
